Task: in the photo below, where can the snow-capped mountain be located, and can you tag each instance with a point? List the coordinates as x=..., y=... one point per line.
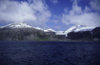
x=27, y=32
x=17, y=25
x=24, y=25
x=78, y=28
x=73, y=28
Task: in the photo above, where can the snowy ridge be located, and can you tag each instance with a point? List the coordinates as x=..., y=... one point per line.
x=38, y=28
x=72, y=29
x=17, y=25
x=84, y=29
x=49, y=30
x=24, y=25
x=76, y=28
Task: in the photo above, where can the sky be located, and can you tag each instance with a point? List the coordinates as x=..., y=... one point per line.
x=55, y=14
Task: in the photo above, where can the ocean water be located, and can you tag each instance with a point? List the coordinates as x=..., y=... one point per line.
x=49, y=53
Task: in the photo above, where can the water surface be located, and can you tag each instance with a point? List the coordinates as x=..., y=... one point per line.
x=49, y=53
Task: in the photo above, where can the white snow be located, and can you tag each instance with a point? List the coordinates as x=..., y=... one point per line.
x=84, y=29
x=71, y=29
x=60, y=33
x=17, y=25
x=49, y=30
x=38, y=28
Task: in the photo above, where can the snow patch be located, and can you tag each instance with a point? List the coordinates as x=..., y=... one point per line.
x=38, y=28
x=60, y=33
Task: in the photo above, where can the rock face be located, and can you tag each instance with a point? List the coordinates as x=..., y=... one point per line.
x=96, y=33
x=25, y=34
x=86, y=35
x=20, y=34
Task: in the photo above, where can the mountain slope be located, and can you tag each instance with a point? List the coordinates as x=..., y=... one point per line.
x=78, y=28
x=22, y=31
x=85, y=33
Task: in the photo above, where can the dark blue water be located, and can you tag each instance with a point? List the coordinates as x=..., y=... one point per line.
x=49, y=53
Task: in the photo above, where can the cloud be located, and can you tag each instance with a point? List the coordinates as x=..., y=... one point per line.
x=54, y=1
x=78, y=16
x=34, y=12
x=95, y=4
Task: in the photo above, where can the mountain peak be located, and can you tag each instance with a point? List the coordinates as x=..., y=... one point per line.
x=17, y=25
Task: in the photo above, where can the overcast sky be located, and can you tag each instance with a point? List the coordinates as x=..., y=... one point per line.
x=56, y=14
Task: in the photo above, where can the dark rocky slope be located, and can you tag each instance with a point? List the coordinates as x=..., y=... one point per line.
x=85, y=35
x=27, y=34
